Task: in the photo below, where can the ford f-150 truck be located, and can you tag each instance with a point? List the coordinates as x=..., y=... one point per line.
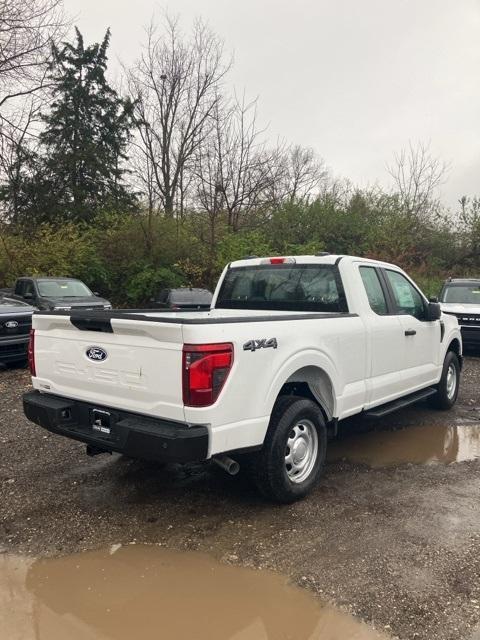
x=56, y=294
x=290, y=346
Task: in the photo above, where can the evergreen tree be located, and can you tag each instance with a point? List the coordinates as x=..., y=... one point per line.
x=86, y=134
x=78, y=169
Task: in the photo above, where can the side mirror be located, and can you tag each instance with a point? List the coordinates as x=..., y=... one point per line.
x=434, y=311
x=433, y=299
x=28, y=296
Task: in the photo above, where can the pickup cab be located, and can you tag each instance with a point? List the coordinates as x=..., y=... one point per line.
x=291, y=346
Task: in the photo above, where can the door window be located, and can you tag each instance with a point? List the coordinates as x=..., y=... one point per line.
x=28, y=287
x=19, y=287
x=373, y=288
x=407, y=298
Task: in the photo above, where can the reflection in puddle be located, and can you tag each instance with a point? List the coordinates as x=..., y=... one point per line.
x=419, y=445
x=140, y=592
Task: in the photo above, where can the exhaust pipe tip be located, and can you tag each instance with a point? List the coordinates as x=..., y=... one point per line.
x=227, y=464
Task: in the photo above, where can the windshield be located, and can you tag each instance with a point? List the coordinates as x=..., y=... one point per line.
x=284, y=287
x=63, y=289
x=462, y=294
x=8, y=302
x=191, y=296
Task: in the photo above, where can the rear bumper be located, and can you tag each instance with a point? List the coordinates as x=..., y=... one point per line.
x=129, y=433
x=13, y=349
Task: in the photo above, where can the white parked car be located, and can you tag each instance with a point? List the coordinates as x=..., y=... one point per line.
x=290, y=346
x=461, y=298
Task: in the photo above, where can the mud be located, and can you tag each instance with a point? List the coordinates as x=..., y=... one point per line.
x=417, y=445
x=145, y=592
x=396, y=546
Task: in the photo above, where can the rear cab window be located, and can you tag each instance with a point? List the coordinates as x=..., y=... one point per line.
x=283, y=287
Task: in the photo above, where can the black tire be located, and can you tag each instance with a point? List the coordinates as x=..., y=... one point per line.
x=443, y=399
x=269, y=469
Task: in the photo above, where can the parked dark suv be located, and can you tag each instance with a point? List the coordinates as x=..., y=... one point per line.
x=56, y=294
x=183, y=298
x=461, y=298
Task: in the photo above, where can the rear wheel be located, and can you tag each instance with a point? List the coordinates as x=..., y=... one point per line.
x=447, y=388
x=293, y=454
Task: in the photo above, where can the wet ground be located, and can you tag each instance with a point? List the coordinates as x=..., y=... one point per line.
x=146, y=592
x=391, y=534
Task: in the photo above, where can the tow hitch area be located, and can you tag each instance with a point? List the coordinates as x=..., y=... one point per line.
x=101, y=421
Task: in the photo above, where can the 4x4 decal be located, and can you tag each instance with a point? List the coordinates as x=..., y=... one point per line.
x=265, y=343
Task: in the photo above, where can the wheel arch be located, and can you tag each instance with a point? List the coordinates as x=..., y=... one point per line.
x=455, y=346
x=313, y=382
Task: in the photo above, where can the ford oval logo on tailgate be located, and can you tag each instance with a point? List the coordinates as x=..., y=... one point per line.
x=97, y=354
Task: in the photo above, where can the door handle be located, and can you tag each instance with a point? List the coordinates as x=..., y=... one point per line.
x=410, y=332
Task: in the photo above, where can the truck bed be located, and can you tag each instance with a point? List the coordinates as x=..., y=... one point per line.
x=142, y=371
x=82, y=319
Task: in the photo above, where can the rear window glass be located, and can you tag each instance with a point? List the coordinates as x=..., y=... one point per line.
x=462, y=294
x=191, y=297
x=285, y=287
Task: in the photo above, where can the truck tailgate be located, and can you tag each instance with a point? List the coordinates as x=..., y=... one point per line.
x=138, y=367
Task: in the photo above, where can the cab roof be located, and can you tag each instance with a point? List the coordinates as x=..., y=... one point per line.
x=323, y=258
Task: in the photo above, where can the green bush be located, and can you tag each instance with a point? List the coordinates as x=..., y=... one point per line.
x=145, y=284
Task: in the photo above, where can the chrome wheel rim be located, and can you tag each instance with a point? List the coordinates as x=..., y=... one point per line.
x=451, y=381
x=301, y=451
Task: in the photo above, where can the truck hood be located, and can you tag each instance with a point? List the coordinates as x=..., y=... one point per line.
x=76, y=302
x=455, y=307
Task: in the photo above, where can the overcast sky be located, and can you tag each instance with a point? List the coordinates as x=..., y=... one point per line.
x=354, y=79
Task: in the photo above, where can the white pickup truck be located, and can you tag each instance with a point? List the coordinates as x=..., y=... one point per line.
x=290, y=346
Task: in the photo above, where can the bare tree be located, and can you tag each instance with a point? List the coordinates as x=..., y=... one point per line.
x=18, y=142
x=234, y=169
x=27, y=30
x=417, y=175
x=175, y=85
x=303, y=172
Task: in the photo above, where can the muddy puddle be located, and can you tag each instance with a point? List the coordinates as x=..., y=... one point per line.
x=417, y=445
x=142, y=592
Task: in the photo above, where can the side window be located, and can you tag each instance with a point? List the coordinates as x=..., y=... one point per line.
x=19, y=287
x=27, y=287
x=374, y=290
x=407, y=298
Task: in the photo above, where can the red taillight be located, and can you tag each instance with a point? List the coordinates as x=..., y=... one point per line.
x=277, y=260
x=31, y=353
x=205, y=370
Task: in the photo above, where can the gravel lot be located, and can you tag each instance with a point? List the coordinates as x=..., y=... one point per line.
x=399, y=547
